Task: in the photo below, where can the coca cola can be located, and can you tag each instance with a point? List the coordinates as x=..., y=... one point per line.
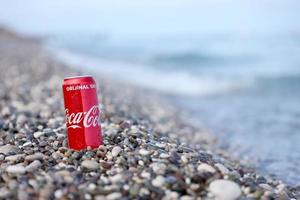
x=82, y=112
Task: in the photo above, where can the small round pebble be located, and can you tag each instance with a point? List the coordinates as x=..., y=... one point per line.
x=158, y=181
x=222, y=168
x=225, y=189
x=33, y=166
x=90, y=164
x=144, y=152
x=38, y=134
x=206, y=168
x=116, y=151
x=158, y=168
x=36, y=156
x=114, y=196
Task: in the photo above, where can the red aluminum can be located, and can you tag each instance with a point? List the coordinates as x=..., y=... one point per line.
x=82, y=112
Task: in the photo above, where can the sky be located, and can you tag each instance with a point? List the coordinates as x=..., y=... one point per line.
x=151, y=17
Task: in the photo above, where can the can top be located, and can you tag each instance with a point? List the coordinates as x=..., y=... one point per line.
x=76, y=77
x=78, y=80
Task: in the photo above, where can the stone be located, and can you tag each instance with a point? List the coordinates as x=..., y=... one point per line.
x=58, y=194
x=4, y=193
x=114, y=196
x=283, y=195
x=164, y=155
x=170, y=195
x=38, y=134
x=266, y=186
x=222, y=168
x=116, y=178
x=90, y=164
x=184, y=159
x=146, y=175
x=6, y=149
x=14, y=158
x=206, y=168
x=144, y=152
x=225, y=189
x=33, y=166
x=43, y=144
x=158, y=181
x=36, y=156
x=27, y=144
x=160, y=145
x=116, y=151
x=100, y=197
x=21, y=119
x=186, y=197
x=16, y=169
x=158, y=168
x=65, y=176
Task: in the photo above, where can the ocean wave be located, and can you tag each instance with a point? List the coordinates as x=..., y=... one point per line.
x=172, y=82
x=196, y=58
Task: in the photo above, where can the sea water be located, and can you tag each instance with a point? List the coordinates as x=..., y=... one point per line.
x=245, y=89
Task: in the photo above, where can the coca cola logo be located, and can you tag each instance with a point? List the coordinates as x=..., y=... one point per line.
x=89, y=118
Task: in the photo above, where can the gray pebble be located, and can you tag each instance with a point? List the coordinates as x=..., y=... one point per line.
x=36, y=156
x=33, y=166
x=115, y=151
x=14, y=158
x=90, y=164
x=6, y=149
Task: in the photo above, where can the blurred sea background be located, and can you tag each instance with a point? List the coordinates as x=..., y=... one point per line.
x=234, y=66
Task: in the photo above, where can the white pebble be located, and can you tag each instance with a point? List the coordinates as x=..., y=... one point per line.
x=21, y=119
x=100, y=197
x=144, y=152
x=158, y=168
x=26, y=144
x=160, y=145
x=58, y=194
x=36, y=156
x=146, y=175
x=186, y=197
x=92, y=186
x=5, y=149
x=114, y=196
x=222, y=168
x=158, y=181
x=170, y=195
x=38, y=134
x=225, y=190
x=116, y=178
x=33, y=166
x=14, y=158
x=116, y=151
x=16, y=169
x=164, y=155
x=206, y=168
x=90, y=164
x=184, y=159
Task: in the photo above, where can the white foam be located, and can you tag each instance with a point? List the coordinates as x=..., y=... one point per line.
x=171, y=82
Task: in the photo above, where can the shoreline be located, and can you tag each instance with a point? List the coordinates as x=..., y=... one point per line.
x=145, y=155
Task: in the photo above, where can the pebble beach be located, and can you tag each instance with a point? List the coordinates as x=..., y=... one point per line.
x=149, y=152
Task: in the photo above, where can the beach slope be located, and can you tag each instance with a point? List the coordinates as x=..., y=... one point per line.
x=148, y=152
